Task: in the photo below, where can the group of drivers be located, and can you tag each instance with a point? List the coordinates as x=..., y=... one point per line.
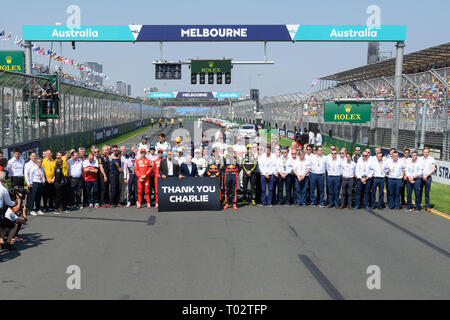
x=166, y=122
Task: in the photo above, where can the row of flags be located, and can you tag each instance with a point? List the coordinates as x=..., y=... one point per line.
x=55, y=56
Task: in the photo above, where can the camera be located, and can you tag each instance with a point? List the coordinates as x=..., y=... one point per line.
x=18, y=192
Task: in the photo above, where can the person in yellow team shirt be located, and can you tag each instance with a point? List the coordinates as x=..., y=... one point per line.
x=49, y=188
x=65, y=164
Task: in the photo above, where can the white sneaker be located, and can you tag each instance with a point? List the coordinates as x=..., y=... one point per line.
x=128, y=204
x=156, y=205
x=138, y=205
x=33, y=213
x=149, y=206
x=40, y=213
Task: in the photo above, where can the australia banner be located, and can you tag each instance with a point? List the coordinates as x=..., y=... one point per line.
x=189, y=194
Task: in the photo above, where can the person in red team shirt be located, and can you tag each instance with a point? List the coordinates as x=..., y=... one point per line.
x=142, y=169
x=156, y=165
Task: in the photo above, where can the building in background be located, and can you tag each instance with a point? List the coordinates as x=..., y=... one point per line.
x=121, y=88
x=90, y=77
x=129, y=90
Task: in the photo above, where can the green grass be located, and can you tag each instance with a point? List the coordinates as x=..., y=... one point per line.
x=122, y=137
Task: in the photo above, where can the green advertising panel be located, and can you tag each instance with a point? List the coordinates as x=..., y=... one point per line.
x=11, y=60
x=210, y=66
x=347, y=112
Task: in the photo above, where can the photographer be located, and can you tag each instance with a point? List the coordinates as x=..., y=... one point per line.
x=5, y=199
x=10, y=225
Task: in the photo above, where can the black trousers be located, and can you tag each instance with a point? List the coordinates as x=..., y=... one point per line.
x=132, y=188
x=49, y=194
x=231, y=187
x=76, y=190
x=60, y=196
x=104, y=189
x=114, y=189
x=245, y=180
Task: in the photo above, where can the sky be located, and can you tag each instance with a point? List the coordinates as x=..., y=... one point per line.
x=296, y=64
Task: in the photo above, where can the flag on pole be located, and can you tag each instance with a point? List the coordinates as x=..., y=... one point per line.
x=7, y=37
x=314, y=83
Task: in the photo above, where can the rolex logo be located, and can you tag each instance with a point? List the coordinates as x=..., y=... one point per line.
x=211, y=64
x=348, y=108
x=8, y=59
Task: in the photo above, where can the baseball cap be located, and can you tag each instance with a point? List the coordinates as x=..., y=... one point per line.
x=249, y=146
x=152, y=147
x=197, y=151
x=145, y=137
x=143, y=150
x=179, y=149
x=132, y=155
x=178, y=139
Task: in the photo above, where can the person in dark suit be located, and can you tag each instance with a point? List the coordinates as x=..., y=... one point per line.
x=188, y=169
x=169, y=168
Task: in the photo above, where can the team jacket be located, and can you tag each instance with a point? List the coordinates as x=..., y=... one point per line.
x=231, y=164
x=156, y=165
x=249, y=162
x=142, y=167
x=213, y=167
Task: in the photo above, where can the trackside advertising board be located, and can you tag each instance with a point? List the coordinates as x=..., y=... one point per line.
x=189, y=194
x=11, y=60
x=194, y=95
x=167, y=33
x=347, y=112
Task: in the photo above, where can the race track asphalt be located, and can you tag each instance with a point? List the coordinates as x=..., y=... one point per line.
x=283, y=252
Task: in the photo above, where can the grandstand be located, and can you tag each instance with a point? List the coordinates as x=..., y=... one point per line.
x=425, y=79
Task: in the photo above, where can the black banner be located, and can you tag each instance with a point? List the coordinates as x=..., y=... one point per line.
x=188, y=194
x=290, y=134
x=282, y=132
x=36, y=145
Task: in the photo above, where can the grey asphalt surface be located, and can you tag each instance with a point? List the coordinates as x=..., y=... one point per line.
x=283, y=252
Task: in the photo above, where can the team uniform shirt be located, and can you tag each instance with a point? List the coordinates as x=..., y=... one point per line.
x=378, y=168
x=239, y=150
x=284, y=165
x=311, y=138
x=15, y=167
x=123, y=160
x=318, y=139
x=363, y=169
x=300, y=166
x=145, y=146
x=394, y=168
x=267, y=165
x=407, y=160
x=334, y=167
x=90, y=176
x=143, y=167
x=309, y=156
x=201, y=165
x=427, y=164
x=75, y=168
x=114, y=166
x=49, y=168
x=152, y=157
x=65, y=167
x=165, y=146
x=318, y=164
x=103, y=161
x=414, y=169
x=348, y=169
x=28, y=166
x=179, y=160
x=129, y=168
x=37, y=174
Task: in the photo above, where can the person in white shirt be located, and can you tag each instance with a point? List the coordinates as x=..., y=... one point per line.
x=301, y=168
x=267, y=167
x=311, y=138
x=379, y=178
x=37, y=178
x=162, y=143
x=284, y=168
x=406, y=159
x=5, y=199
x=179, y=159
x=76, y=186
x=318, y=162
x=429, y=166
x=318, y=138
x=200, y=162
x=144, y=144
x=333, y=165
x=413, y=174
x=348, y=174
x=364, y=175
x=395, y=170
x=15, y=169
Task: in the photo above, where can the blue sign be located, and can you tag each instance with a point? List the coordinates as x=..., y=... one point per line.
x=166, y=33
x=195, y=95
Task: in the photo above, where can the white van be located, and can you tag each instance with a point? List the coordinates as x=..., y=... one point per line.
x=248, y=131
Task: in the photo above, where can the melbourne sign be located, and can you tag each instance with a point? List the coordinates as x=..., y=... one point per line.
x=11, y=60
x=347, y=112
x=210, y=66
x=188, y=194
x=194, y=95
x=166, y=33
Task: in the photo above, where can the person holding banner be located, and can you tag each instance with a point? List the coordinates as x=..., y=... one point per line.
x=142, y=170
